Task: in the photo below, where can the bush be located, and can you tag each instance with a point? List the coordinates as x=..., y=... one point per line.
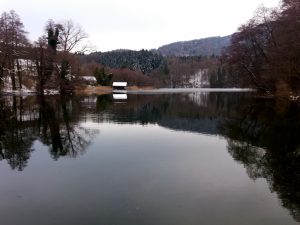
x=102, y=78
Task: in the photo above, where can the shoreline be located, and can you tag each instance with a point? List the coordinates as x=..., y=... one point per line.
x=145, y=90
x=93, y=90
x=100, y=90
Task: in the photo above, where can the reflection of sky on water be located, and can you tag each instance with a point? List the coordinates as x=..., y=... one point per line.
x=137, y=174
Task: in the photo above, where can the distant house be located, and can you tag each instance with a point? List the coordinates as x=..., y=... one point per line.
x=119, y=85
x=89, y=80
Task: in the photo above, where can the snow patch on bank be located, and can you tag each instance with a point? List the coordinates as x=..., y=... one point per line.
x=8, y=90
x=199, y=79
x=295, y=98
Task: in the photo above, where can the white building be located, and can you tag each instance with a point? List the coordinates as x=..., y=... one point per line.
x=119, y=85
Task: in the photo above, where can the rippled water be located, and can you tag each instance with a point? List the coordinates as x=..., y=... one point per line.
x=185, y=158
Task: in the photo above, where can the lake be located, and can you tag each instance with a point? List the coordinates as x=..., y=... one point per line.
x=181, y=159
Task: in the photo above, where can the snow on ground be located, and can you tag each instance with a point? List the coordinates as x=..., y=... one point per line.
x=295, y=98
x=9, y=90
x=24, y=90
x=199, y=79
x=51, y=92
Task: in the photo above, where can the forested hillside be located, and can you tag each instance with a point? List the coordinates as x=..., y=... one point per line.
x=143, y=60
x=201, y=47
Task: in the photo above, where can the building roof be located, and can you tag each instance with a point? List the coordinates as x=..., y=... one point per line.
x=88, y=78
x=119, y=84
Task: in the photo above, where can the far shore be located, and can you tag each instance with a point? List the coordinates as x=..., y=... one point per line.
x=88, y=90
x=100, y=90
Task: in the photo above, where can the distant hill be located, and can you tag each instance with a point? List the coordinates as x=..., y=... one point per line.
x=204, y=47
x=147, y=61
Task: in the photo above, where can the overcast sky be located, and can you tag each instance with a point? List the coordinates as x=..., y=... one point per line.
x=137, y=24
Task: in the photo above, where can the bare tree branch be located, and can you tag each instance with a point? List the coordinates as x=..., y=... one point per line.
x=71, y=36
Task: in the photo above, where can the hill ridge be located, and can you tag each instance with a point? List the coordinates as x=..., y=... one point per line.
x=196, y=47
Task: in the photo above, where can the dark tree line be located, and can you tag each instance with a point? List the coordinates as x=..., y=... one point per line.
x=143, y=60
x=265, y=52
x=146, y=68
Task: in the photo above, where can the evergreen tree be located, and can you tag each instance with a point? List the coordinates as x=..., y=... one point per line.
x=101, y=77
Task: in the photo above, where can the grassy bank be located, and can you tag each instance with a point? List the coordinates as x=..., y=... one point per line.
x=98, y=90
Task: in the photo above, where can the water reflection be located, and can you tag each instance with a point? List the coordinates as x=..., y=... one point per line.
x=55, y=121
x=264, y=136
x=261, y=134
x=25, y=120
x=198, y=112
x=120, y=96
x=16, y=135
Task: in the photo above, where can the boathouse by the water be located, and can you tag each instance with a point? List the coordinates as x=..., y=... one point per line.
x=119, y=85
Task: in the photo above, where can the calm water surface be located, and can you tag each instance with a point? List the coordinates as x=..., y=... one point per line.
x=180, y=159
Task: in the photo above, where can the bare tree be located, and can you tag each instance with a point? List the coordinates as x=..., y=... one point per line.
x=71, y=37
x=45, y=55
x=266, y=50
x=13, y=43
x=43, y=63
x=55, y=62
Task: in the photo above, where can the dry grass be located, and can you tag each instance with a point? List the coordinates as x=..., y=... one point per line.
x=99, y=90
x=136, y=88
x=90, y=90
x=29, y=82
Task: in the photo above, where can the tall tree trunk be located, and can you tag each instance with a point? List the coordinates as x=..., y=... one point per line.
x=12, y=76
x=13, y=80
x=1, y=77
x=19, y=74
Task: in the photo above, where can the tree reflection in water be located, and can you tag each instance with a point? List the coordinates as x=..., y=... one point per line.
x=16, y=133
x=26, y=120
x=264, y=135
